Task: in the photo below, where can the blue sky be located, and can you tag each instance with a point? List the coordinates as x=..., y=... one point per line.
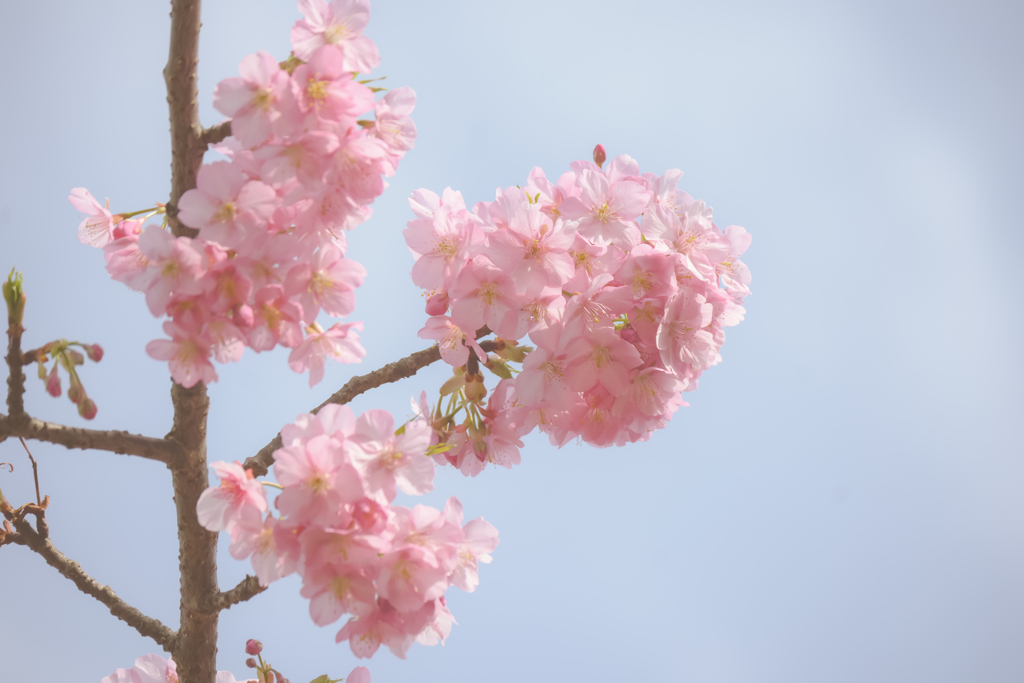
x=841, y=502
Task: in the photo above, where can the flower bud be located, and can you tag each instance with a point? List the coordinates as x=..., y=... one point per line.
x=75, y=357
x=438, y=304
x=15, y=298
x=76, y=392
x=86, y=408
x=95, y=352
x=53, y=382
x=251, y=663
x=600, y=155
x=253, y=647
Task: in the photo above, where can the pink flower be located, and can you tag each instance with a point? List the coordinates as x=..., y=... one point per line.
x=602, y=357
x=684, y=342
x=341, y=24
x=735, y=274
x=259, y=102
x=174, y=267
x=441, y=243
x=306, y=158
x=334, y=591
x=533, y=250
x=254, y=538
x=318, y=479
x=220, y=507
x=393, y=126
x=339, y=343
x=607, y=211
x=482, y=295
x=649, y=273
x=225, y=204
x=329, y=90
x=387, y=460
x=453, y=343
x=277, y=320
x=97, y=229
x=188, y=355
x=411, y=577
x=480, y=538
x=327, y=281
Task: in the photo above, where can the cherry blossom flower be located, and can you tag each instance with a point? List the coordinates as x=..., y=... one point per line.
x=97, y=229
x=340, y=24
x=340, y=342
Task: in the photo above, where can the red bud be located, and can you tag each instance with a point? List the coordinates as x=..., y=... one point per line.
x=600, y=155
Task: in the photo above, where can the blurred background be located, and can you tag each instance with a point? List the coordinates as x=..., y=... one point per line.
x=841, y=502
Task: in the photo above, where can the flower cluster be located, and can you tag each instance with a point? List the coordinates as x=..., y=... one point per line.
x=269, y=255
x=66, y=357
x=622, y=281
x=387, y=566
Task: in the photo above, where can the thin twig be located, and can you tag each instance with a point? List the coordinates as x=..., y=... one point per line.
x=35, y=470
x=392, y=372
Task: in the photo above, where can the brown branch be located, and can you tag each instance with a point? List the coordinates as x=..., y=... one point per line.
x=392, y=372
x=123, y=443
x=247, y=588
x=147, y=626
x=215, y=134
x=195, y=648
x=183, y=103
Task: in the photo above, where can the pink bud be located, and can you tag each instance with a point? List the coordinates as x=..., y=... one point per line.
x=251, y=663
x=127, y=228
x=600, y=155
x=95, y=352
x=53, y=382
x=438, y=304
x=86, y=408
x=253, y=647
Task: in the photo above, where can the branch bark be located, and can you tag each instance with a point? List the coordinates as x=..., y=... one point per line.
x=246, y=589
x=123, y=443
x=215, y=134
x=147, y=626
x=392, y=372
x=195, y=648
x=180, y=75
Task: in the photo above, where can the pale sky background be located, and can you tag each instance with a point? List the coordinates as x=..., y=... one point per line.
x=842, y=502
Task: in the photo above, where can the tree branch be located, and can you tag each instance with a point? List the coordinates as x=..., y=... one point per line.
x=183, y=103
x=247, y=588
x=215, y=134
x=195, y=648
x=113, y=441
x=392, y=372
x=147, y=626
